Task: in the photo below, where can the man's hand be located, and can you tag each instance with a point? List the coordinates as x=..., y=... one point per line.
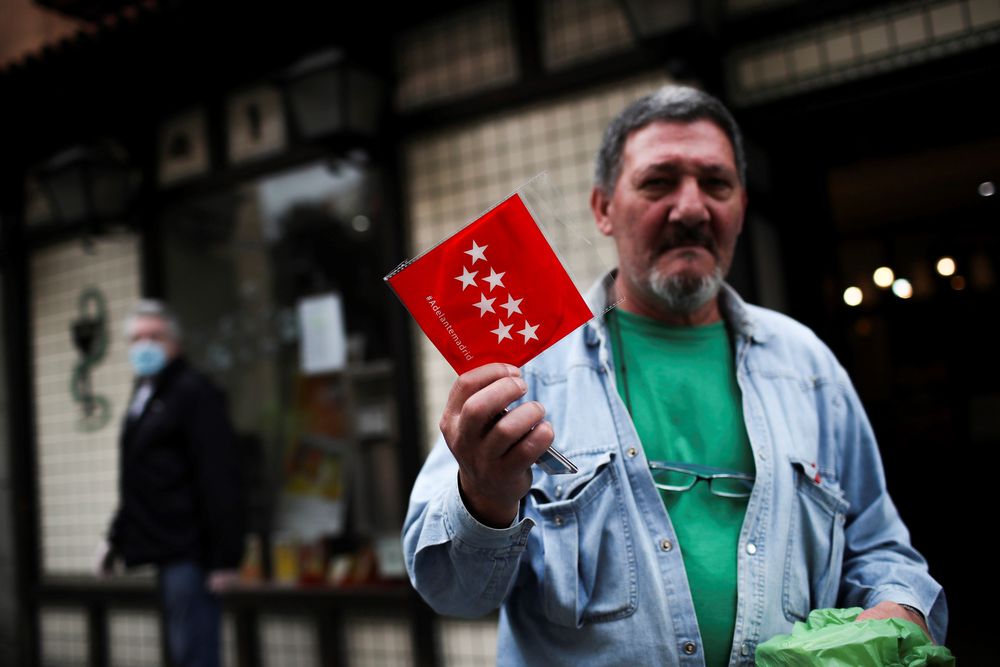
x=105, y=559
x=893, y=610
x=223, y=580
x=494, y=455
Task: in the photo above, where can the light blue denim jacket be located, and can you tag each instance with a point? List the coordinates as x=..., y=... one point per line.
x=591, y=572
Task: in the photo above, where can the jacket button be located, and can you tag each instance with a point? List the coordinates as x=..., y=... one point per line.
x=666, y=545
x=744, y=649
x=690, y=648
x=751, y=548
x=631, y=452
x=558, y=520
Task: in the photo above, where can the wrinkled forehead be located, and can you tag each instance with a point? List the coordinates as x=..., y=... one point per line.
x=148, y=326
x=662, y=142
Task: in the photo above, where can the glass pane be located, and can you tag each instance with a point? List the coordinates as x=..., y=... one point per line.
x=279, y=289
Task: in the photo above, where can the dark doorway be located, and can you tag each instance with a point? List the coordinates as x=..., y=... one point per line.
x=900, y=171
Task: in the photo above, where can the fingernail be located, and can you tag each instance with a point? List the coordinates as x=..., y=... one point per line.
x=513, y=370
x=521, y=383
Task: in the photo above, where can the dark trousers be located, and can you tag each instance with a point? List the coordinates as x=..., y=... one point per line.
x=192, y=615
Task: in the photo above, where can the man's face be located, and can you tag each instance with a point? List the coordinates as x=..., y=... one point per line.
x=675, y=213
x=152, y=328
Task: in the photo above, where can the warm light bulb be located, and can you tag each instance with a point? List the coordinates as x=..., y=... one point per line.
x=902, y=288
x=853, y=296
x=883, y=276
x=946, y=266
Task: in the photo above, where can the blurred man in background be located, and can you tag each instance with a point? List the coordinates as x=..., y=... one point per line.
x=180, y=505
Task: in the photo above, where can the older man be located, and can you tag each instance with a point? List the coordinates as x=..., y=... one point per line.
x=180, y=487
x=728, y=482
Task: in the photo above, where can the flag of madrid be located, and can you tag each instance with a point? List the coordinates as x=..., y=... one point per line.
x=495, y=291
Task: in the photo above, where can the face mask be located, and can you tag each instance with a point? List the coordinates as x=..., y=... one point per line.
x=147, y=357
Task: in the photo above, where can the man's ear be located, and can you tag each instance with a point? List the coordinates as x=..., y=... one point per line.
x=599, y=205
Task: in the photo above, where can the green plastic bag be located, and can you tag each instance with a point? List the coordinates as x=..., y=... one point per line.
x=831, y=638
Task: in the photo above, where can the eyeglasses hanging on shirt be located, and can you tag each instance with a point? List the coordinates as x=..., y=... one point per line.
x=677, y=477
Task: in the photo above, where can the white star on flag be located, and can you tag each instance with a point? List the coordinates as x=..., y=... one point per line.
x=467, y=278
x=477, y=253
x=485, y=305
x=494, y=279
x=503, y=331
x=513, y=305
x=528, y=332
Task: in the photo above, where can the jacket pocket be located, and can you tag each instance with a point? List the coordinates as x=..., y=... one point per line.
x=815, y=555
x=589, y=571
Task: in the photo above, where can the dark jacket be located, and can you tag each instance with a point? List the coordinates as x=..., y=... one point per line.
x=180, y=486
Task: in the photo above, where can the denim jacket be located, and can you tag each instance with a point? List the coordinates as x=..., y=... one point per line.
x=591, y=572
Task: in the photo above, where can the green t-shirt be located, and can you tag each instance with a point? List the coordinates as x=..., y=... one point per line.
x=679, y=384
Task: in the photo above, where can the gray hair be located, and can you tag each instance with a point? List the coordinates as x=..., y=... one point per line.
x=154, y=308
x=670, y=103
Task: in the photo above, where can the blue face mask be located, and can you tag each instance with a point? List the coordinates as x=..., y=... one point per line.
x=147, y=357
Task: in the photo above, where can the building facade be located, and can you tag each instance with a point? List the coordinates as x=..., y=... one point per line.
x=262, y=168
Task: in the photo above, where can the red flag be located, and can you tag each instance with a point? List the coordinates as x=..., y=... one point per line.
x=495, y=291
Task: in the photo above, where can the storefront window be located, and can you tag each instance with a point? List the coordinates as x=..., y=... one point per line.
x=277, y=286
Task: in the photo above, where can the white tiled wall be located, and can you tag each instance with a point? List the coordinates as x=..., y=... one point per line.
x=288, y=642
x=454, y=175
x=891, y=36
x=475, y=49
x=63, y=637
x=78, y=470
x=579, y=30
x=375, y=641
x=228, y=641
x=134, y=639
x=468, y=51
x=467, y=643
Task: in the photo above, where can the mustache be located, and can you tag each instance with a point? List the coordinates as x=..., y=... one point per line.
x=680, y=236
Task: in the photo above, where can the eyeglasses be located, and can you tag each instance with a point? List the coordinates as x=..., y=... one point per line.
x=675, y=476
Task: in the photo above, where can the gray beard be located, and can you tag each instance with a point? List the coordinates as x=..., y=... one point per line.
x=685, y=294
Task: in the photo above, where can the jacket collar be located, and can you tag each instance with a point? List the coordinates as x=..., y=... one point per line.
x=167, y=375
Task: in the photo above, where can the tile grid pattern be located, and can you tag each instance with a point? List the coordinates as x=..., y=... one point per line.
x=288, y=641
x=78, y=470
x=475, y=50
x=859, y=46
x=467, y=643
x=63, y=637
x=379, y=641
x=470, y=51
x=134, y=638
x=575, y=31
